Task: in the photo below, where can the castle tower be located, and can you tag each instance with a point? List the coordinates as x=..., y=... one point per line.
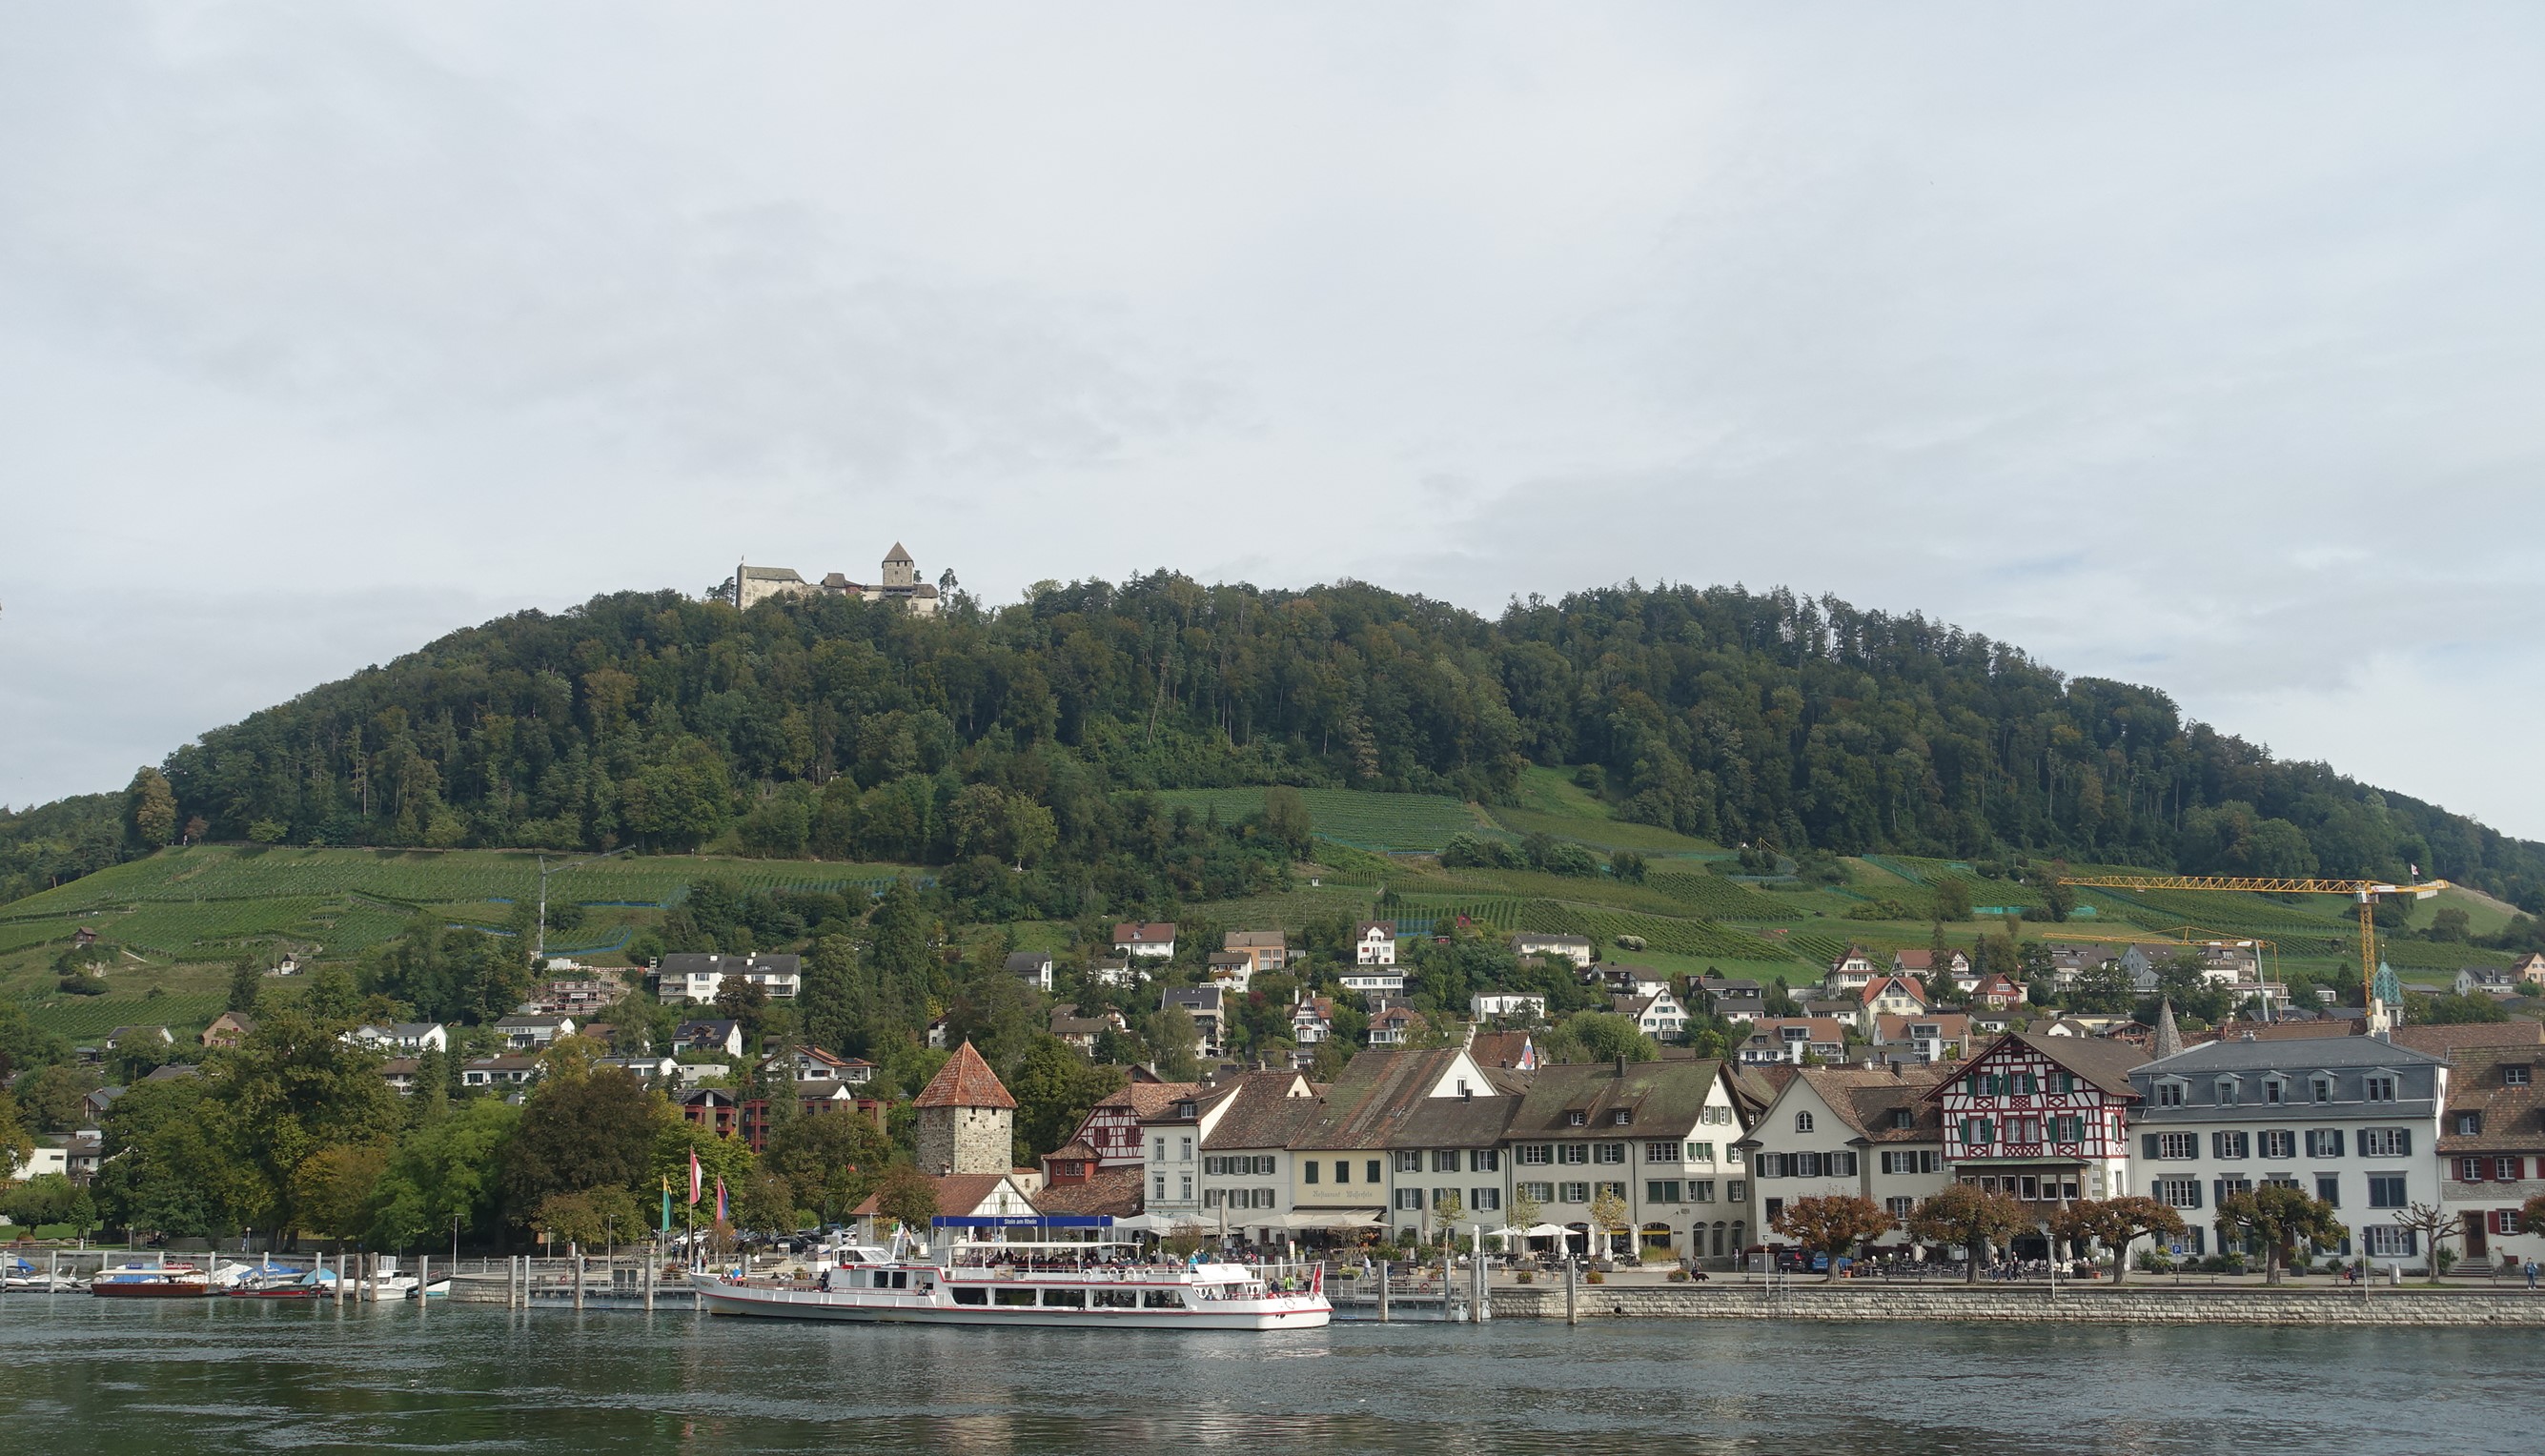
x=899, y=569
x=966, y=1118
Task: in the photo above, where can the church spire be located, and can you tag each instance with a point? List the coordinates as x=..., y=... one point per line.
x=2168, y=1040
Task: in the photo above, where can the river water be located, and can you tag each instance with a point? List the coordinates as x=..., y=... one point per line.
x=83, y=1375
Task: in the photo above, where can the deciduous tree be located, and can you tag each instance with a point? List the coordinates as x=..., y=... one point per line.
x=2115, y=1223
x=1833, y=1225
x=1965, y=1214
x=2280, y=1216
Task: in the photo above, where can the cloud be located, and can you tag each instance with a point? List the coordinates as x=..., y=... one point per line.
x=2192, y=346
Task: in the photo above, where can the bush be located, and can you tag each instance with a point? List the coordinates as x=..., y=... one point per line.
x=79, y=985
x=1595, y=1278
x=1526, y=1276
x=1679, y=1276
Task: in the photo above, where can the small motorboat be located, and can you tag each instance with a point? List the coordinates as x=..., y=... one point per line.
x=438, y=1289
x=21, y=1278
x=276, y=1281
x=151, y=1281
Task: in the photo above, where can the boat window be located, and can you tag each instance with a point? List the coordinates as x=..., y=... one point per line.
x=971, y=1296
x=1162, y=1299
x=901, y=1278
x=1068, y=1299
x=1117, y=1299
x=1013, y=1297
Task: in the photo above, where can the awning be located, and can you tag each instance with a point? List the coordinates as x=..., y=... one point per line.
x=1337, y=1218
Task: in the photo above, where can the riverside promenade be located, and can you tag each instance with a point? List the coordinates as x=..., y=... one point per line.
x=2146, y=1299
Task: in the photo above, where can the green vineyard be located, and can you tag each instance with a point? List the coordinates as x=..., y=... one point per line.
x=1390, y=823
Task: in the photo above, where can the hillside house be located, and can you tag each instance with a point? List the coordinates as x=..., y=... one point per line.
x=1849, y=973
x=1080, y=1032
x=1145, y=940
x=2529, y=968
x=1658, y=1015
x=1207, y=1007
x=721, y=1037
x=1550, y=946
x=1890, y=996
x=1231, y=970
x=228, y=1031
x=698, y=977
x=1031, y=967
x=1997, y=993
x=406, y=1038
x=817, y=1071
x=1934, y=1037
x=1269, y=950
x=1374, y=943
x=1312, y=1019
x=510, y=1070
x=1395, y=1025
x=122, y=1036
x=577, y=997
x=1921, y=963
x=1379, y=980
x=1116, y=971
x=533, y=1033
x=2485, y=981
x=1486, y=1005
x=1794, y=1039
x=1735, y=999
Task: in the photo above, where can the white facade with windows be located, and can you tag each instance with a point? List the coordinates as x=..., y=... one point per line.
x=2352, y=1120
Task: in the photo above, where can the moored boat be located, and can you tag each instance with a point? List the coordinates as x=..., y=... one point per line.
x=1074, y=1285
x=150, y=1281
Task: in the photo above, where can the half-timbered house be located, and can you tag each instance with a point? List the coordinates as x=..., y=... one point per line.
x=2044, y=1118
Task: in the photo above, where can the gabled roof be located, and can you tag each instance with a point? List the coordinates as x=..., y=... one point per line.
x=1264, y=1112
x=1027, y=962
x=1113, y=1190
x=1147, y=1099
x=2441, y=1040
x=2103, y=1064
x=957, y=1193
x=1663, y=1096
x=1499, y=1049
x=966, y=1081
x=1144, y=933
x=2513, y=1118
x=1381, y=1086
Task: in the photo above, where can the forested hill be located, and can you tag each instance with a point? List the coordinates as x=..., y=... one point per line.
x=841, y=729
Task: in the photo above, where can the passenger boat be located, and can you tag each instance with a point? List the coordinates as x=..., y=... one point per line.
x=1073, y=1285
x=150, y=1281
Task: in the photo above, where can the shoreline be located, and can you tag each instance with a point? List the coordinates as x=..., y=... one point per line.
x=2082, y=1304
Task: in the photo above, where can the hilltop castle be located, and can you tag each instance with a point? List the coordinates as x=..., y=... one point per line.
x=900, y=584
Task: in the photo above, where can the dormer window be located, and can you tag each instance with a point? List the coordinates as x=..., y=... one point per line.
x=2469, y=1124
x=1184, y=1110
x=2379, y=1088
x=1902, y=1118
x=2169, y=1093
x=2513, y=1076
x=2226, y=1092
x=1621, y=1117
x=1577, y=1119
x=2322, y=1087
x=2274, y=1091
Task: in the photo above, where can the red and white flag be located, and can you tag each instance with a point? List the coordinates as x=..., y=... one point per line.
x=697, y=1186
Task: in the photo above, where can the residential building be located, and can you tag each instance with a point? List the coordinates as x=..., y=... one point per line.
x=818, y=1099
x=1845, y=1132
x=1849, y=973
x=1659, y=1135
x=1657, y=1015
x=1245, y=1180
x=1231, y=970
x=1375, y=980
x=2353, y=1120
x=1939, y=1037
x=1312, y=1019
x=2072, y=959
x=1735, y=999
x=1207, y=1004
x=2043, y=1118
x=966, y=1118
x=1549, y=947
x=1145, y=940
x=1116, y=971
x=1339, y=1169
x=1995, y=992
x=1374, y=943
x=1889, y=996
x=2529, y=968
x=714, y=1108
x=1394, y=1025
x=400, y=1074
x=699, y=977
x=1172, y=1138
x=815, y=1071
x=719, y=1037
x=508, y=1070
x=1033, y=967
x=123, y=1035
x=1921, y=963
x=577, y=997
x=1269, y=950
x=228, y=1031
x=1112, y=1130
x=532, y=1034
x=1485, y=1004
x=408, y=1038
x=1077, y=1184
x=2492, y=1150
x=1080, y=1032
x=1794, y=1039
x=2485, y=981
x=959, y=1196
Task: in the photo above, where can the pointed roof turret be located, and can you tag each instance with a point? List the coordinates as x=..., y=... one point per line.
x=966, y=1081
x=2168, y=1040
x=898, y=553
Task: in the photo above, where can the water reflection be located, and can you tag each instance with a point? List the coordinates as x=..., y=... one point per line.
x=91, y=1376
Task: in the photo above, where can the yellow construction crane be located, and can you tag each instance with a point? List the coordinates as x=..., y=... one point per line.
x=2364, y=893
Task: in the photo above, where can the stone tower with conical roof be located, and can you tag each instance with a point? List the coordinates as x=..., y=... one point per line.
x=2167, y=1039
x=899, y=569
x=966, y=1118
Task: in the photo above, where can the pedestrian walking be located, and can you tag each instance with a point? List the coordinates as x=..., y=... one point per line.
x=2531, y=1273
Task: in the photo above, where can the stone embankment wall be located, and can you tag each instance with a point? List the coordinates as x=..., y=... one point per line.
x=2084, y=1305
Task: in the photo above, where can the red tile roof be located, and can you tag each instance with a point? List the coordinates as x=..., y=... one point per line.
x=966, y=1081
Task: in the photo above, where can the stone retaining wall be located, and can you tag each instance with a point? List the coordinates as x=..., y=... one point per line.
x=2084, y=1305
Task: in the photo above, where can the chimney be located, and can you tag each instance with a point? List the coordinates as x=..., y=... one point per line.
x=1621, y=1064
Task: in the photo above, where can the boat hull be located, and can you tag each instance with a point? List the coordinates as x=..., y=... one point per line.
x=717, y=1297
x=148, y=1289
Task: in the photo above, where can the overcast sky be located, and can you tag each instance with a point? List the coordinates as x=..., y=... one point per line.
x=2198, y=346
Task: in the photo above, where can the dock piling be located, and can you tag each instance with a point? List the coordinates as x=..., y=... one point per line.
x=1572, y=1310
x=1382, y=1291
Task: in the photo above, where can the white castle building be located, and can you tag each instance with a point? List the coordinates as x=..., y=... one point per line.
x=900, y=584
